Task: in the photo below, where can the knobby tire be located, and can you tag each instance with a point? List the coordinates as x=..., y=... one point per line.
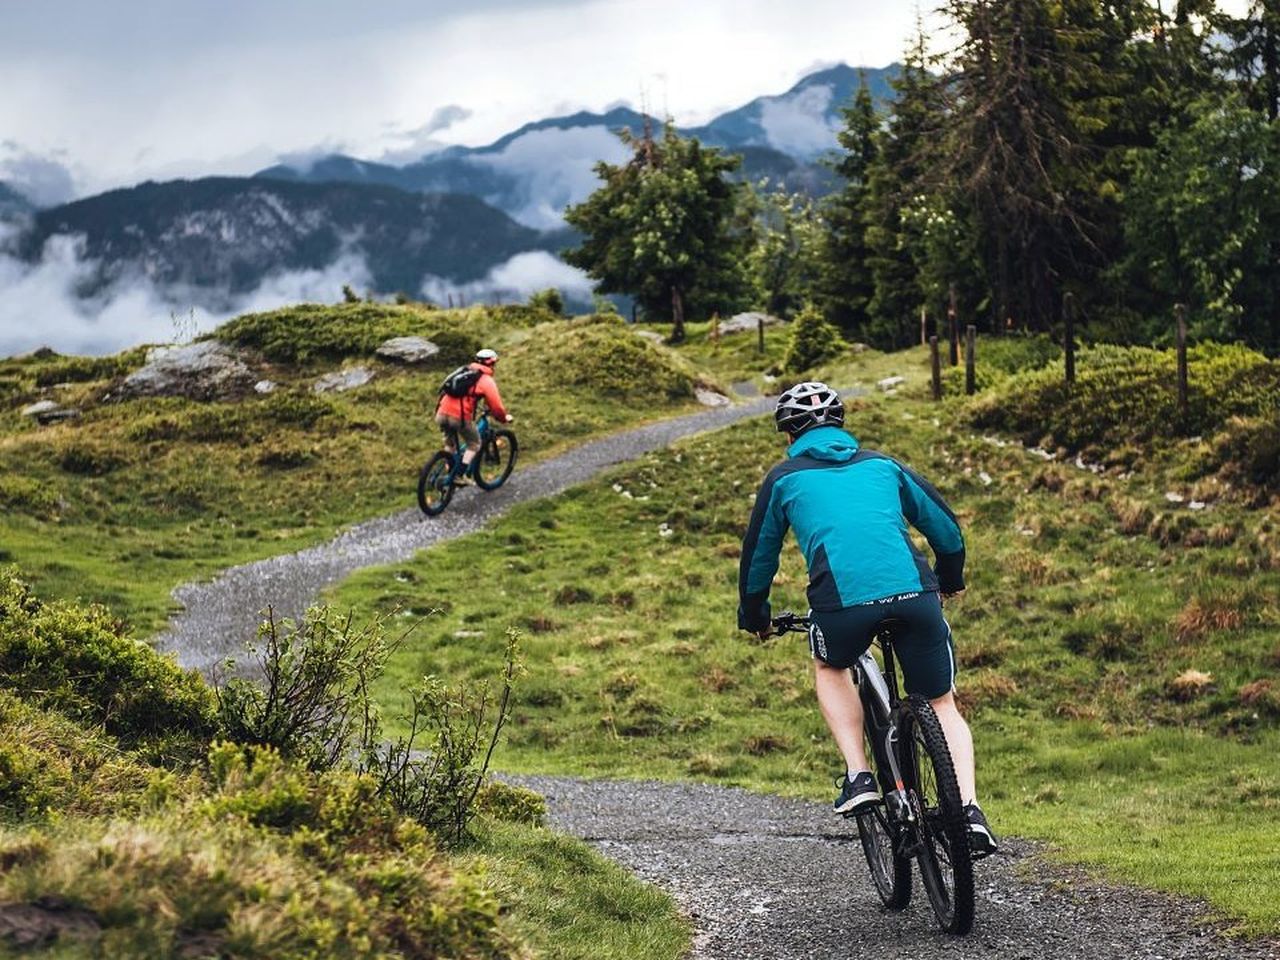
x=890, y=871
x=944, y=829
x=496, y=460
x=434, y=487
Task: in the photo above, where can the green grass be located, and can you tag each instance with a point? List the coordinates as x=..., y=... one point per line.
x=1090, y=598
x=137, y=497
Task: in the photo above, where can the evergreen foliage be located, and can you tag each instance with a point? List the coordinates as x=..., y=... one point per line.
x=813, y=340
x=660, y=229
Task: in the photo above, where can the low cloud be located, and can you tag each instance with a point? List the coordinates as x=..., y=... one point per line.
x=798, y=124
x=44, y=181
x=41, y=307
x=523, y=274
x=552, y=169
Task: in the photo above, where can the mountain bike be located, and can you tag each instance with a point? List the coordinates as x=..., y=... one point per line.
x=921, y=817
x=493, y=464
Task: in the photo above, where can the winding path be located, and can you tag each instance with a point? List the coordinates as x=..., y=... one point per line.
x=762, y=878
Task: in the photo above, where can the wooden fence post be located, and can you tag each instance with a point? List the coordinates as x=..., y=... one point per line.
x=760, y=335
x=1180, y=312
x=970, y=343
x=924, y=326
x=953, y=321
x=1069, y=335
x=936, y=362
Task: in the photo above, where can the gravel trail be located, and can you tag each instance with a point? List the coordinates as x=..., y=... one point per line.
x=770, y=878
x=221, y=614
x=762, y=878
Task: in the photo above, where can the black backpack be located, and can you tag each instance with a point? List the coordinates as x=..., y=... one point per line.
x=460, y=383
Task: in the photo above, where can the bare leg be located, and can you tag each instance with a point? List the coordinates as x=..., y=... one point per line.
x=960, y=743
x=842, y=709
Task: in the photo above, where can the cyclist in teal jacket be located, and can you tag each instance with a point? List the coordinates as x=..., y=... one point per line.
x=849, y=508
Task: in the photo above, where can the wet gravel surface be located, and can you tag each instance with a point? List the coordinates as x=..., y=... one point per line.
x=220, y=615
x=767, y=877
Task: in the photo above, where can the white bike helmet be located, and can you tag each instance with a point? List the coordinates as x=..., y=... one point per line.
x=808, y=404
x=487, y=357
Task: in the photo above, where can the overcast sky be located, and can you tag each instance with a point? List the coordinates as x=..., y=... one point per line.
x=115, y=92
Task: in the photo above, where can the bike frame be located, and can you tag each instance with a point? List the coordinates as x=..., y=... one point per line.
x=882, y=713
x=483, y=428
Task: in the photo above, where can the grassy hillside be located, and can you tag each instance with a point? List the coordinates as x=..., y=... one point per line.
x=1117, y=644
x=131, y=828
x=137, y=496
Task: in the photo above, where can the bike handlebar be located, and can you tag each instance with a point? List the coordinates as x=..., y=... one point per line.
x=788, y=622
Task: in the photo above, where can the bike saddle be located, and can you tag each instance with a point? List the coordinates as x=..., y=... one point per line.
x=893, y=626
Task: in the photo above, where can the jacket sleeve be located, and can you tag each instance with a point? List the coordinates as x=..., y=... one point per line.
x=487, y=387
x=925, y=509
x=759, y=561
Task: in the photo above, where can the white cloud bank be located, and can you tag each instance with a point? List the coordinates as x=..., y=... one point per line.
x=523, y=274
x=40, y=305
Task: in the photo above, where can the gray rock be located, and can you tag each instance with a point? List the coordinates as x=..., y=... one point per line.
x=709, y=398
x=39, y=408
x=890, y=383
x=742, y=322
x=264, y=386
x=206, y=370
x=653, y=335
x=408, y=350
x=342, y=380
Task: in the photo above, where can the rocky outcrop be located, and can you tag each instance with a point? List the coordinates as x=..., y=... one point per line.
x=45, y=412
x=742, y=322
x=206, y=370
x=343, y=380
x=408, y=350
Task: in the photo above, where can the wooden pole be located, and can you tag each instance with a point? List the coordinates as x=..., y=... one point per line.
x=924, y=326
x=1069, y=334
x=953, y=321
x=970, y=342
x=760, y=335
x=936, y=362
x=1180, y=312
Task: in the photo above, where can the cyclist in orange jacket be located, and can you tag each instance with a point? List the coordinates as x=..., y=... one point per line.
x=456, y=415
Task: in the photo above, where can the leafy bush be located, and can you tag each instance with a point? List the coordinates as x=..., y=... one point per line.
x=1248, y=453
x=549, y=300
x=1000, y=357
x=1128, y=395
x=512, y=804
x=813, y=340
x=313, y=332
x=266, y=860
x=308, y=698
x=77, y=661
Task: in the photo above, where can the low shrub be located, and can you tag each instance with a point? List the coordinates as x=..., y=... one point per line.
x=813, y=340
x=1126, y=395
x=88, y=369
x=76, y=660
x=512, y=804
x=30, y=496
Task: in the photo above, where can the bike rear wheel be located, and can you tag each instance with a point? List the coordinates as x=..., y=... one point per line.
x=890, y=871
x=944, y=859
x=435, y=484
x=496, y=460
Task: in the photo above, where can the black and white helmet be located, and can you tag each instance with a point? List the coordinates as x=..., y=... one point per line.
x=808, y=404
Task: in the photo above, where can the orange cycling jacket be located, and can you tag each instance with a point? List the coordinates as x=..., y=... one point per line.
x=464, y=408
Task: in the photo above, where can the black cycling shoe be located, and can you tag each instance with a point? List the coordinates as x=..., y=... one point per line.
x=982, y=842
x=856, y=795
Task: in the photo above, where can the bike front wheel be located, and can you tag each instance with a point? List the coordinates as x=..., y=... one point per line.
x=496, y=460
x=943, y=854
x=435, y=484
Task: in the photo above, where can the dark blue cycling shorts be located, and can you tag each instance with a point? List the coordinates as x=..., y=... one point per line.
x=923, y=646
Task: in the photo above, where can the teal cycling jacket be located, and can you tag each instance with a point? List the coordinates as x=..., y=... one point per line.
x=849, y=509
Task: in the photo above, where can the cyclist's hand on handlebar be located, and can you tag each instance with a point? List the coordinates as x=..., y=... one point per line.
x=955, y=595
x=510, y=419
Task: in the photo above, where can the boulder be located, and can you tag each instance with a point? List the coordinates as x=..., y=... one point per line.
x=653, y=335
x=205, y=370
x=890, y=383
x=342, y=380
x=742, y=322
x=49, y=411
x=710, y=398
x=264, y=386
x=408, y=350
